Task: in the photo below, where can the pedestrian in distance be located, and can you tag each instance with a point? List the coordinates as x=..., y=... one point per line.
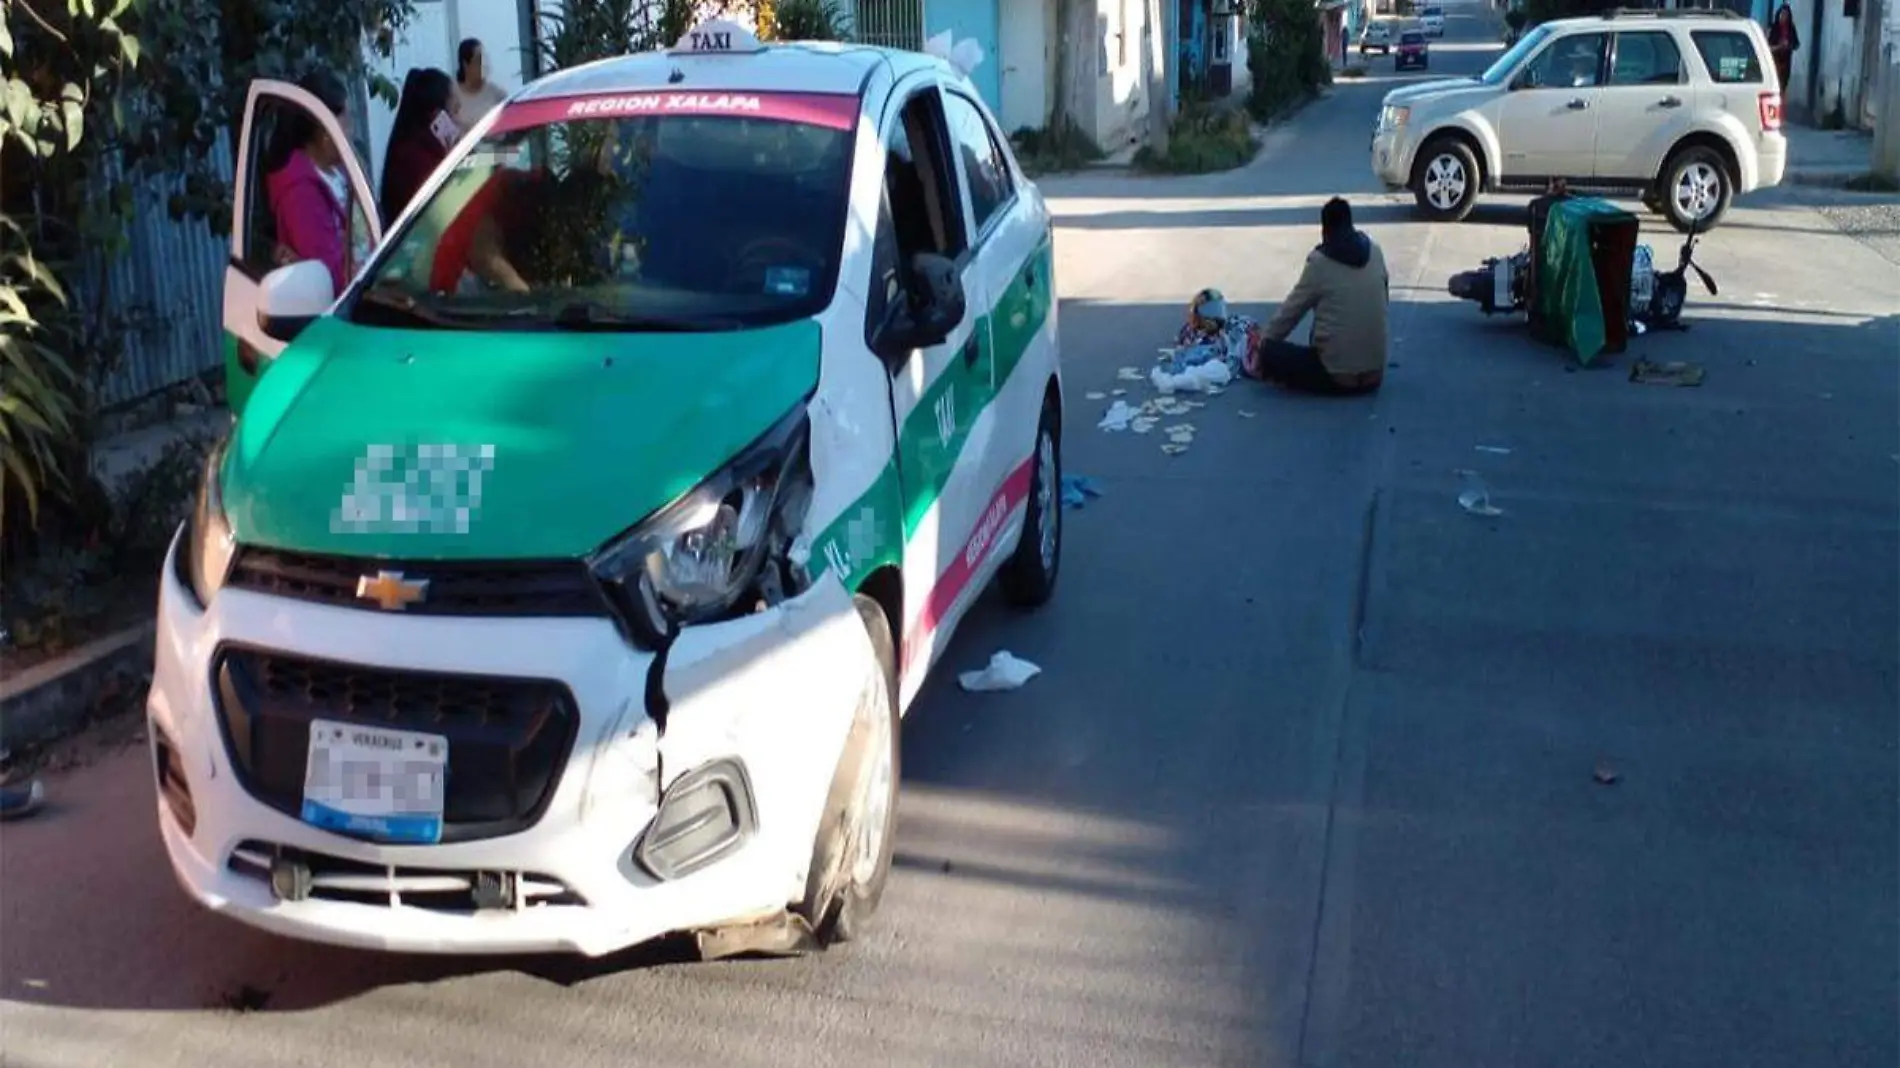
x=1783, y=40
x=475, y=95
x=303, y=177
x=1346, y=288
x=420, y=137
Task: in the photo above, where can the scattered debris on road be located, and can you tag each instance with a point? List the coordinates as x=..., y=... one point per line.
x=1475, y=498
x=1004, y=672
x=1117, y=417
x=1673, y=373
x=1245, y=414
x=1077, y=490
x=1606, y=775
x=1095, y=394
x=1495, y=450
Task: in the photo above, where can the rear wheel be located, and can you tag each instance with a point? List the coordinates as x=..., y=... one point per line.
x=1029, y=579
x=851, y=857
x=1445, y=180
x=1696, y=189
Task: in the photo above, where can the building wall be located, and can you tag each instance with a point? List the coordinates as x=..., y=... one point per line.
x=972, y=19
x=1026, y=37
x=1121, y=97
x=1828, y=70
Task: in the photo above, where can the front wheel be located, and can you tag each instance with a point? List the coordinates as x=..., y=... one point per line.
x=1029, y=579
x=1696, y=189
x=857, y=836
x=1445, y=180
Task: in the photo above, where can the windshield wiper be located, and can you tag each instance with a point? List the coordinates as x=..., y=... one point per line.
x=591, y=315
x=397, y=304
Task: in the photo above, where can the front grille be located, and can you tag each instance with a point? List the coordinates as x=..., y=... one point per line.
x=456, y=587
x=389, y=886
x=509, y=739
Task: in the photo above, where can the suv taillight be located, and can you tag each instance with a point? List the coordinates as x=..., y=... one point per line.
x=1770, y=104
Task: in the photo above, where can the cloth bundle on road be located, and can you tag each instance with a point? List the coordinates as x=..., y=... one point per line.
x=1211, y=333
x=1584, y=260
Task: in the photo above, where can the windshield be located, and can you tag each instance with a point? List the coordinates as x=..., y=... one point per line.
x=1497, y=72
x=642, y=213
x=1434, y=12
x=1412, y=38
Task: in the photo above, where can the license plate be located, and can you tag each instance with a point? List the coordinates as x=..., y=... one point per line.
x=375, y=782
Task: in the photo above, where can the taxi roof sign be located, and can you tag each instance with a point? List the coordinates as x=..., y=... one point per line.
x=718, y=37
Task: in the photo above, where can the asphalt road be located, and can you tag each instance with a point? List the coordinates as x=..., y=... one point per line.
x=1311, y=775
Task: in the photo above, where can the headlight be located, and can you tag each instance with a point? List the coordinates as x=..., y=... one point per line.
x=206, y=550
x=692, y=560
x=1391, y=117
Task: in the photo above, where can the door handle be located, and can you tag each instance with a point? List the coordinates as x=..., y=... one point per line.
x=1577, y=104
x=1671, y=102
x=970, y=351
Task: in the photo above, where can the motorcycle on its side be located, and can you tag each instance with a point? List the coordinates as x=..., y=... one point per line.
x=1502, y=285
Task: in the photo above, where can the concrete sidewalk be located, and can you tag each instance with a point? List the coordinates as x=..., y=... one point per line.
x=1826, y=157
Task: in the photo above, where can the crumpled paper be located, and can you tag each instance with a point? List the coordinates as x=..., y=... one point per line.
x=1200, y=378
x=1004, y=672
x=1117, y=417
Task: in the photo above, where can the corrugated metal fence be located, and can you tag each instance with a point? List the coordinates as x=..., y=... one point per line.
x=168, y=284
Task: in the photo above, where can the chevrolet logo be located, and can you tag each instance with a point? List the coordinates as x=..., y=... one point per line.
x=390, y=591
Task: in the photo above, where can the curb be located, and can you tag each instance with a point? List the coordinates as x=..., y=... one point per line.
x=51, y=700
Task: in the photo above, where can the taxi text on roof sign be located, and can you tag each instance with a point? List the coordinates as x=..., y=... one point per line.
x=719, y=36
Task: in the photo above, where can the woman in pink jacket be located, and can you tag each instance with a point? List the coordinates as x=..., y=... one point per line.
x=303, y=169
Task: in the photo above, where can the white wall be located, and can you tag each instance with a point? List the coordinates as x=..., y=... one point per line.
x=1838, y=55
x=430, y=40
x=1026, y=33
x=1121, y=100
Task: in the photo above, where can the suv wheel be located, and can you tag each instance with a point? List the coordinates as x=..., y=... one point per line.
x=1695, y=188
x=1445, y=180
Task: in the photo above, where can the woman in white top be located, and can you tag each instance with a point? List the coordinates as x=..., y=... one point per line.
x=475, y=95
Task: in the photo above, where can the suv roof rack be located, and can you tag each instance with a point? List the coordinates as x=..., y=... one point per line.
x=1671, y=13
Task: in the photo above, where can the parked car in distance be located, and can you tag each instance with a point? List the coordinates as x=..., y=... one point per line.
x=1680, y=108
x=1433, y=19
x=1413, y=53
x=1377, y=36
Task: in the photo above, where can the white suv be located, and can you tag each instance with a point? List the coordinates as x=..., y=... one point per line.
x=1680, y=108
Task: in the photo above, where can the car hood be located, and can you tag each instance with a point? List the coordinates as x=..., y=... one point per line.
x=1434, y=89
x=451, y=444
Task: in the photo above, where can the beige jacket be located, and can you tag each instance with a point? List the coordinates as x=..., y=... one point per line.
x=1345, y=286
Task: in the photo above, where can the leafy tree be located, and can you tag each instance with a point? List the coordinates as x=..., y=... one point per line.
x=100, y=97
x=1286, y=54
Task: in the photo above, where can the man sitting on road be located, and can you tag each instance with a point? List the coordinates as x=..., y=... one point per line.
x=1345, y=286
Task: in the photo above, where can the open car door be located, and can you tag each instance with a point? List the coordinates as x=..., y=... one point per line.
x=274, y=114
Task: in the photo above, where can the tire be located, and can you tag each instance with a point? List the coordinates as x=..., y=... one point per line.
x=1029, y=579
x=857, y=837
x=1696, y=189
x=1445, y=180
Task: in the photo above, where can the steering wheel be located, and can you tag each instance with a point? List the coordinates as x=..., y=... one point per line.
x=748, y=266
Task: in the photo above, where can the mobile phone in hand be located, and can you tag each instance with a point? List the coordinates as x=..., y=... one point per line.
x=445, y=130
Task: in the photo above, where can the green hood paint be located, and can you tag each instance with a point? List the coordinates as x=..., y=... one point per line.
x=591, y=431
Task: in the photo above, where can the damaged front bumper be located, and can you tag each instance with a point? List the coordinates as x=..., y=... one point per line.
x=634, y=833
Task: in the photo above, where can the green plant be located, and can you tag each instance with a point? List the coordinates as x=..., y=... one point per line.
x=54, y=598
x=36, y=382
x=805, y=20
x=1053, y=149
x=1203, y=139
x=1286, y=55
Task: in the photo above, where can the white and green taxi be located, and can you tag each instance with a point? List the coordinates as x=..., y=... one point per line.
x=561, y=583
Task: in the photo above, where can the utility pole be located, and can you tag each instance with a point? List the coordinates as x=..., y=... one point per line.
x=1154, y=56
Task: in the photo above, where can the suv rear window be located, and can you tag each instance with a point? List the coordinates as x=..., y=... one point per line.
x=1730, y=56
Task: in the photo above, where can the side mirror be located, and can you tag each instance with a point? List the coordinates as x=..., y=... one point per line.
x=933, y=306
x=290, y=298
